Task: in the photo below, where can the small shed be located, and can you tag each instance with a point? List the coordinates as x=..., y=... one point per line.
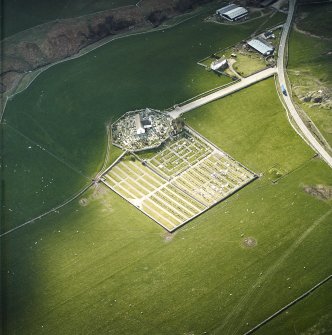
x=219, y=64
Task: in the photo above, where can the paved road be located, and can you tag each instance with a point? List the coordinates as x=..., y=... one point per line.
x=280, y=70
x=287, y=100
x=223, y=92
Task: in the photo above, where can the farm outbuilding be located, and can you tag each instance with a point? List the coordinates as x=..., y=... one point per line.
x=232, y=12
x=263, y=48
x=219, y=64
x=236, y=14
x=225, y=9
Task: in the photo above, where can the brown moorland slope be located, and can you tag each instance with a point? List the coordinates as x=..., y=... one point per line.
x=60, y=39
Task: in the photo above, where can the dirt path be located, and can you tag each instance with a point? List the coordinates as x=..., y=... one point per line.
x=252, y=294
x=297, y=29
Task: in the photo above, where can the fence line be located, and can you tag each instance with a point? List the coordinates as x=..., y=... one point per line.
x=201, y=95
x=302, y=296
x=54, y=209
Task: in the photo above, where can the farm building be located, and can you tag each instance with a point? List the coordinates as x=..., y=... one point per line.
x=219, y=64
x=139, y=126
x=225, y=9
x=261, y=46
x=232, y=12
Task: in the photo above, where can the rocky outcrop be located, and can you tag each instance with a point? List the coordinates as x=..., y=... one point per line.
x=57, y=40
x=320, y=97
x=323, y=192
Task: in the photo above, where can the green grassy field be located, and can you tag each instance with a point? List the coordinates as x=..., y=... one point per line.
x=99, y=266
x=276, y=19
x=309, y=316
x=66, y=108
x=19, y=15
x=248, y=64
x=100, y=271
x=28, y=184
x=236, y=113
x=316, y=19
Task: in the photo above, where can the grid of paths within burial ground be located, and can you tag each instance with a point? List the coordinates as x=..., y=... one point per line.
x=180, y=180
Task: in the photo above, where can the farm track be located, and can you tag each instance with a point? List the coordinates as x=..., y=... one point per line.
x=253, y=294
x=284, y=308
x=245, y=82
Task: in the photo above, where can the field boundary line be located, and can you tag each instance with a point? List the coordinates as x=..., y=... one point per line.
x=54, y=209
x=59, y=159
x=293, y=302
x=84, y=51
x=267, y=276
x=108, y=148
x=202, y=95
x=114, y=163
x=141, y=210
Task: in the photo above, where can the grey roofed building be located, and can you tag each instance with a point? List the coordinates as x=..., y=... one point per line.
x=235, y=14
x=225, y=9
x=263, y=48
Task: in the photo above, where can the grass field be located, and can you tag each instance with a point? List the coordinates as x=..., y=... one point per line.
x=22, y=202
x=65, y=110
x=274, y=20
x=309, y=316
x=100, y=271
x=246, y=63
x=19, y=15
x=98, y=265
x=314, y=13
x=239, y=110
